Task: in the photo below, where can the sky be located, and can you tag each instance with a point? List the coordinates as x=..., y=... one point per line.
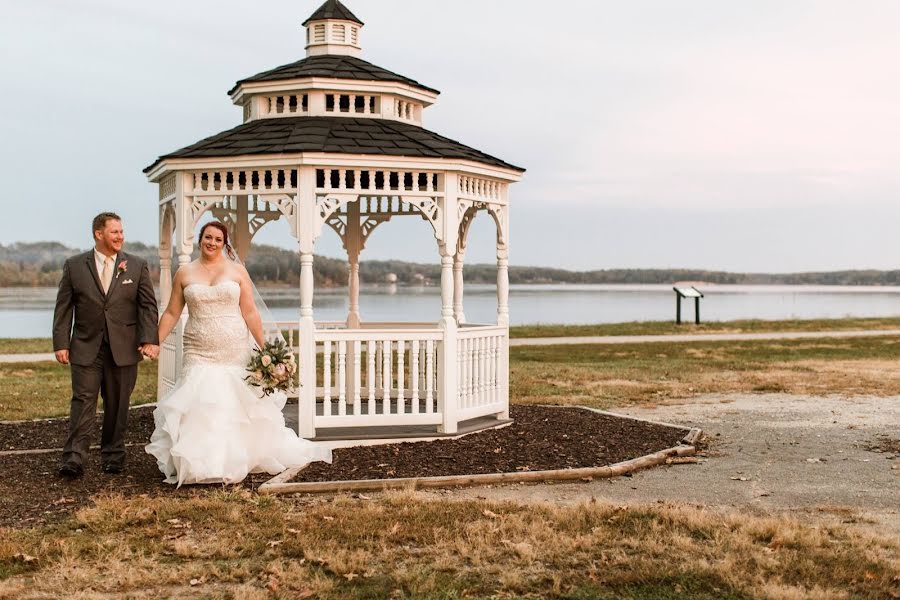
x=742, y=136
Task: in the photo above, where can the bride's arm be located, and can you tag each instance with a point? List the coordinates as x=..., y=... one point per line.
x=176, y=305
x=248, y=307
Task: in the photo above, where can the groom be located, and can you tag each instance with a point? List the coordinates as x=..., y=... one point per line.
x=109, y=297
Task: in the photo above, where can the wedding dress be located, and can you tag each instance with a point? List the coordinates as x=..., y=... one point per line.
x=212, y=427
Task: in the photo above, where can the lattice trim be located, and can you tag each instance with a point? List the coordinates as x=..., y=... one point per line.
x=167, y=186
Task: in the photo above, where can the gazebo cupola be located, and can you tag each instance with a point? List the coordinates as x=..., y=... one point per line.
x=333, y=80
x=332, y=143
x=332, y=29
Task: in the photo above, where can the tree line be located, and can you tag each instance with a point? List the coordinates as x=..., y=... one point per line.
x=32, y=264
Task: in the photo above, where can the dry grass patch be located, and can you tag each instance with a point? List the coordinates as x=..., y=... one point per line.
x=237, y=545
x=604, y=376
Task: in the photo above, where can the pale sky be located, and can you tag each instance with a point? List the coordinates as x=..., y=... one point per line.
x=740, y=136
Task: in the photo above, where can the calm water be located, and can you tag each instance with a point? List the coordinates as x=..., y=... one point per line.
x=29, y=312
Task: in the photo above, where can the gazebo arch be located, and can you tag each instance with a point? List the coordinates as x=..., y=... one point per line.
x=334, y=141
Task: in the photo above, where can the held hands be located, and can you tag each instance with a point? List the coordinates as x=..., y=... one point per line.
x=62, y=356
x=150, y=351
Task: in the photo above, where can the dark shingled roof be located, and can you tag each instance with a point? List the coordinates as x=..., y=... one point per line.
x=332, y=66
x=332, y=9
x=343, y=135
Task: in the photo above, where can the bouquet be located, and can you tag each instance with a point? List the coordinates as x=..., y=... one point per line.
x=272, y=368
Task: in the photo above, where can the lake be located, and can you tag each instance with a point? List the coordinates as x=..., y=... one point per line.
x=28, y=312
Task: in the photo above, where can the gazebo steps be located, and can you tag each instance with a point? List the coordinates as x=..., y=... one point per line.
x=392, y=434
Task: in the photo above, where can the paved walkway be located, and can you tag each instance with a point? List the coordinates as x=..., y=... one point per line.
x=810, y=455
x=613, y=339
x=20, y=358
x=699, y=337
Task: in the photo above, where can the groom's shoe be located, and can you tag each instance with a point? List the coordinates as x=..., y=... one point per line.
x=112, y=469
x=71, y=470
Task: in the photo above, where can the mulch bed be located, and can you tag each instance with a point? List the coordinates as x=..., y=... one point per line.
x=540, y=438
x=52, y=433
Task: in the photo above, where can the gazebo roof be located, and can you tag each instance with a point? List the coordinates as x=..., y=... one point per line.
x=333, y=9
x=340, y=135
x=331, y=66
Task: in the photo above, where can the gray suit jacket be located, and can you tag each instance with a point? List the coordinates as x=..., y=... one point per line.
x=126, y=316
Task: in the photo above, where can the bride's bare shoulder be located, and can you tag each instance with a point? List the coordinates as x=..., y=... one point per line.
x=184, y=271
x=188, y=273
x=240, y=270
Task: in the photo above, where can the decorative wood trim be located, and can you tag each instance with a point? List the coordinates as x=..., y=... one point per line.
x=308, y=84
x=167, y=188
x=338, y=161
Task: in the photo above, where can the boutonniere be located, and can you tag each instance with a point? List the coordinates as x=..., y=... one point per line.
x=123, y=266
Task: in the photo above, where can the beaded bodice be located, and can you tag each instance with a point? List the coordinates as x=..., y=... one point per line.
x=215, y=332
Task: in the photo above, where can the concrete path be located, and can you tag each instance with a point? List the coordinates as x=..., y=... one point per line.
x=613, y=339
x=699, y=337
x=812, y=455
x=21, y=358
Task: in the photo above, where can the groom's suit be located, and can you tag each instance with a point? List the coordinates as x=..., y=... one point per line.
x=103, y=347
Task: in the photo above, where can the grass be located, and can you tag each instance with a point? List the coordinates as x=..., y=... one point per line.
x=602, y=376
x=43, y=389
x=670, y=328
x=233, y=544
x=25, y=345
x=605, y=376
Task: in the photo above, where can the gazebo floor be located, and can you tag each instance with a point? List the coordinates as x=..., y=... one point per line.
x=396, y=432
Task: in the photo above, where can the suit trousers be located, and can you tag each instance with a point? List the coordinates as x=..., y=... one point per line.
x=115, y=385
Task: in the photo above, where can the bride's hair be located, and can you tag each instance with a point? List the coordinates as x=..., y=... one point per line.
x=221, y=227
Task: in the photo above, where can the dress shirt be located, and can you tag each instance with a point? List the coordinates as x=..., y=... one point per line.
x=99, y=257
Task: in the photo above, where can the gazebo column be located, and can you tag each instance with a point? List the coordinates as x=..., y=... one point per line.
x=447, y=358
x=165, y=275
x=307, y=347
x=502, y=287
x=501, y=216
x=458, y=261
x=242, y=227
x=166, y=230
x=308, y=219
x=172, y=349
x=353, y=243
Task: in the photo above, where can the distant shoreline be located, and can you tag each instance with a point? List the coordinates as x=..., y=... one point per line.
x=39, y=264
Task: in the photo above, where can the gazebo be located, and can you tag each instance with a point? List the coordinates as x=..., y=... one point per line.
x=334, y=141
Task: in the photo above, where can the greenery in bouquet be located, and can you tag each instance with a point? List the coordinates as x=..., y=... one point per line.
x=272, y=368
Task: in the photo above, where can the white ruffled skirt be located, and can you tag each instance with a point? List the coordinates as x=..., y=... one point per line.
x=213, y=428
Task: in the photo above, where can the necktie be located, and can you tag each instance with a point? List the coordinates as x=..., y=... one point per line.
x=106, y=274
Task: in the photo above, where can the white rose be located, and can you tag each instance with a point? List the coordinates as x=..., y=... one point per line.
x=266, y=360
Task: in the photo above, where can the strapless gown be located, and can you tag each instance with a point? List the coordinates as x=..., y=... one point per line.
x=212, y=427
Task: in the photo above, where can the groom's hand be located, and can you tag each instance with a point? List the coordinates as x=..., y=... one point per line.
x=151, y=351
x=62, y=356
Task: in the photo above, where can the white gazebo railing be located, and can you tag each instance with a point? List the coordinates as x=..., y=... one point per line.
x=369, y=377
x=482, y=371
x=386, y=374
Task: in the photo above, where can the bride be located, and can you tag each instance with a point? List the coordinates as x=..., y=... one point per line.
x=212, y=427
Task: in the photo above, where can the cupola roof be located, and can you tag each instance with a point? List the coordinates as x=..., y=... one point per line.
x=332, y=9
